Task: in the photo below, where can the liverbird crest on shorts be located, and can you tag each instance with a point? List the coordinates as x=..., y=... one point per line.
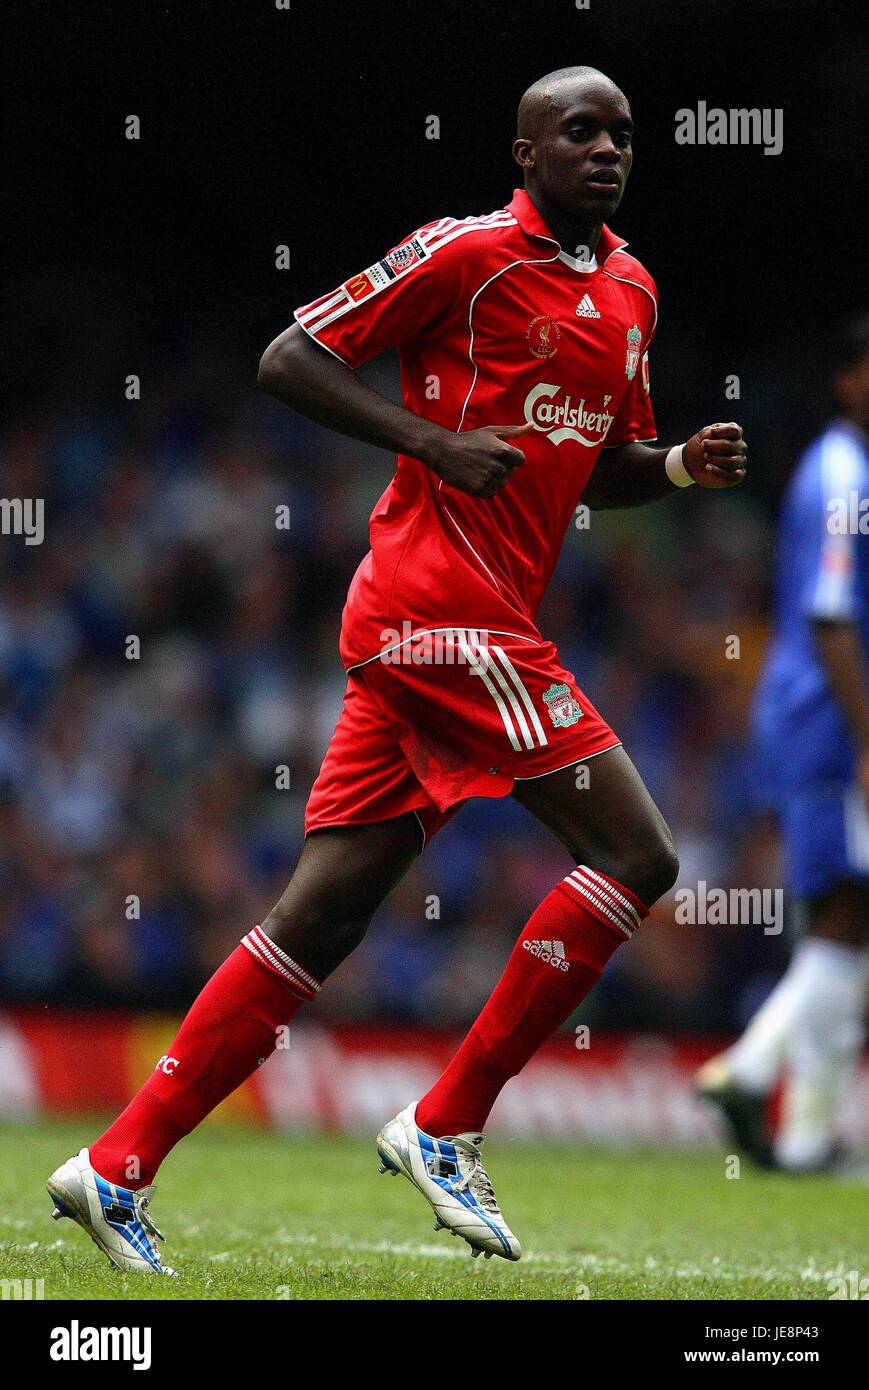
x=563, y=709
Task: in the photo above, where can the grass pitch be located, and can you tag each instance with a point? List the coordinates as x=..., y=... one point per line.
x=251, y=1215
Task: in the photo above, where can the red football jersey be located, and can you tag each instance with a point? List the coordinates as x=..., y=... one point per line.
x=494, y=325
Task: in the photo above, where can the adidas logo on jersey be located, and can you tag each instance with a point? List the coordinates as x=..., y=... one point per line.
x=552, y=952
x=585, y=309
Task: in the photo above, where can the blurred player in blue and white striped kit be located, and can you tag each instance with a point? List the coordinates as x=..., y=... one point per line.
x=811, y=721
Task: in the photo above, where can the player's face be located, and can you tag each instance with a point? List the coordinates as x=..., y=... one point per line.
x=583, y=156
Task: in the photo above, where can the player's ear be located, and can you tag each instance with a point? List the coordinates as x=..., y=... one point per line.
x=523, y=153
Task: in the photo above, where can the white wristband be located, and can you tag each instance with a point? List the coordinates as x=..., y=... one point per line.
x=675, y=468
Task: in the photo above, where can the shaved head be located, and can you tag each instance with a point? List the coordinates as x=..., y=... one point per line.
x=575, y=152
x=546, y=98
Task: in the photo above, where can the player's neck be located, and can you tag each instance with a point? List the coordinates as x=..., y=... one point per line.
x=570, y=233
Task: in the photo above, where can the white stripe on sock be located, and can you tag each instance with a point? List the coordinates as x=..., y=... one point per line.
x=604, y=898
x=580, y=886
x=614, y=892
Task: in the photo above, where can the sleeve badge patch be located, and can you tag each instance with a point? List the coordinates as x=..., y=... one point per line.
x=403, y=257
x=635, y=337
x=379, y=276
x=359, y=286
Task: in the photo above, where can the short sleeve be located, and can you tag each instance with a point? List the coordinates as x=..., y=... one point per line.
x=635, y=418
x=412, y=291
x=830, y=591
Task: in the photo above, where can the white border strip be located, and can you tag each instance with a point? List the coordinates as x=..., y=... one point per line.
x=424, y=631
x=574, y=762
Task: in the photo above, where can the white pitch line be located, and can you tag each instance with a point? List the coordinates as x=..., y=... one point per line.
x=576, y=1264
x=602, y=1264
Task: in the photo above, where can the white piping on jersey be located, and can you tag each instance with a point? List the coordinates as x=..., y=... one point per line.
x=314, y=339
x=322, y=305
x=625, y=281
x=467, y=542
x=543, y=260
x=319, y=315
x=581, y=267
x=499, y=215
x=539, y=260
x=439, y=226
x=445, y=235
x=426, y=631
x=444, y=231
x=344, y=307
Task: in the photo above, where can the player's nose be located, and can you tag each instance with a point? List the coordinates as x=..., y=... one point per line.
x=605, y=148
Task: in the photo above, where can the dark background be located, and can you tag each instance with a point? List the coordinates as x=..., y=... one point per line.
x=262, y=127
x=307, y=127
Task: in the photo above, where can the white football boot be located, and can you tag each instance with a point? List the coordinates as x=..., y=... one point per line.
x=116, y=1218
x=449, y=1173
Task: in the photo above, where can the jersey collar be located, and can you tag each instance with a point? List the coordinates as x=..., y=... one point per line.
x=532, y=224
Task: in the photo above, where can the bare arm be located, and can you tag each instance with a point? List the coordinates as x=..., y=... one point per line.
x=628, y=476
x=633, y=474
x=301, y=374
x=305, y=376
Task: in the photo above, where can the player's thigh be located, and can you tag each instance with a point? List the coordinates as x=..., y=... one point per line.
x=602, y=811
x=343, y=875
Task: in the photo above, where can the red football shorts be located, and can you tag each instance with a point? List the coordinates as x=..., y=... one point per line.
x=446, y=717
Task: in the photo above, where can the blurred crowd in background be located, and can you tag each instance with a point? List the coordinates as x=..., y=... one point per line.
x=142, y=830
x=154, y=775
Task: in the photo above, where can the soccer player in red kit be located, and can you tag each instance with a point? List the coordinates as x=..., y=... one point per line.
x=523, y=337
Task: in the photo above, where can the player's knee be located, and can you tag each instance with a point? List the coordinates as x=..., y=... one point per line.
x=653, y=869
x=318, y=925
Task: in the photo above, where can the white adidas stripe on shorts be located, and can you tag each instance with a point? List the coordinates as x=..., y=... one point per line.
x=501, y=679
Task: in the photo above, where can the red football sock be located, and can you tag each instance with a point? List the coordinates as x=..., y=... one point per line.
x=559, y=956
x=231, y=1028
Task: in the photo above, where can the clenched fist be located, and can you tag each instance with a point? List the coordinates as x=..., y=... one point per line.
x=480, y=462
x=716, y=456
